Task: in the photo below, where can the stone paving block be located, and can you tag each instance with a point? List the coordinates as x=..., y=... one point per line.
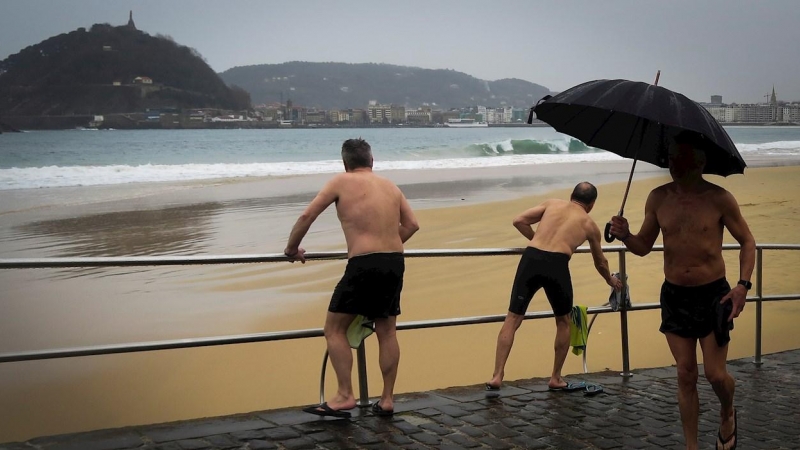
x=499, y=431
x=193, y=444
x=604, y=443
x=290, y=417
x=248, y=435
x=472, y=406
x=426, y=438
x=470, y=431
x=378, y=425
x=281, y=433
x=447, y=421
x=167, y=446
x=405, y=426
x=361, y=436
x=418, y=401
x=429, y=412
x=454, y=410
x=200, y=428
x=325, y=436
x=476, y=419
x=495, y=443
x=513, y=422
x=449, y=446
x=93, y=440
x=462, y=440
x=223, y=441
x=529, y=443
x=301, y=443
x=533, y=431
x=436, y=428
x=400, y=439
x=15, y=446
x=258, y=444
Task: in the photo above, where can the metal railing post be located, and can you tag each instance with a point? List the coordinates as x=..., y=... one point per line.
x=759, y=294
x=623, y=318
x=363, y=390
x=322, y=378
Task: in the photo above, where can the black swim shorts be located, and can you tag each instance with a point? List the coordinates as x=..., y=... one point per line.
x=695, y=311
x=370, y=286
x=541, y=269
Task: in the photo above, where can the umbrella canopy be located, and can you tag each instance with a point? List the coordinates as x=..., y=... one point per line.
x=637, y=120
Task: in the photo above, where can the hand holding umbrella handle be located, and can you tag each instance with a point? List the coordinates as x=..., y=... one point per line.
x=607, y=234
x=609, y=237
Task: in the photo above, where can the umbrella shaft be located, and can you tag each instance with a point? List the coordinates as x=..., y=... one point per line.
x=627, y=188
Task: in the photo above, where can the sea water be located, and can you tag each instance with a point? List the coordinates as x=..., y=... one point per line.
x=43, y=159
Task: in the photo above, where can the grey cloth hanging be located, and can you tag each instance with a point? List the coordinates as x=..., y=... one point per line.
x=616, y=298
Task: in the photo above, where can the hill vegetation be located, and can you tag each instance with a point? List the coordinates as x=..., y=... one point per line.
x=93, y=71
x=339, y=85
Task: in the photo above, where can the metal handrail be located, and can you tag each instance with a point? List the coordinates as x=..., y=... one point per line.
x=36, y=263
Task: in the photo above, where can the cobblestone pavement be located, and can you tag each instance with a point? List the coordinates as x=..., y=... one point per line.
x=635, y=413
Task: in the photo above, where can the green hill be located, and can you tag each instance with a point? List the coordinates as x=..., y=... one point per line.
x=93, y=71
x=340, y=85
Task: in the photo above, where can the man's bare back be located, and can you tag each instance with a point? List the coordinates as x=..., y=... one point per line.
x=563, y=226
x=374, y=214
x=371, y=209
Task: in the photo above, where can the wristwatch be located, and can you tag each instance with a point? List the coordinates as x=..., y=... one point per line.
x=747, y=285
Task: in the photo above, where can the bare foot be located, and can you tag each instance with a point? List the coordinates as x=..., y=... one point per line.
x=557, y=383
x=386, y=404
x=342, y=403
x=495, y=383
x=727, y=429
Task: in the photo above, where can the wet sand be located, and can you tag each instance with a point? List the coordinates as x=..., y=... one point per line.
x=457, y=209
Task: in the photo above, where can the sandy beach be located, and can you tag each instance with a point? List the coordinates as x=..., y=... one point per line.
x=457, y=209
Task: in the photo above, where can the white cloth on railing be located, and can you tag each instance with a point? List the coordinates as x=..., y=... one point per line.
x=616, y=298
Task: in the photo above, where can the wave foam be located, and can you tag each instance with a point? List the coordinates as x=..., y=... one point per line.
x=55, y=176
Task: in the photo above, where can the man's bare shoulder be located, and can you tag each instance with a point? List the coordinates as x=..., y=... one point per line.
x=716, y=189
x=658, y=194
x=554, y=202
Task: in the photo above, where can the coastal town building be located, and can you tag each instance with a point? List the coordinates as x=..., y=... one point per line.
x=773, y=112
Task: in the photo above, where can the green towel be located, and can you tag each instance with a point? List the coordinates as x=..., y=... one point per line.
x=578, y=329
x=360, y=328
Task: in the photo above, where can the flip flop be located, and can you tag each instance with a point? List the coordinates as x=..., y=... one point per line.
x=324, y=410
x=592, y=390
x=490, y=388
x=721, y=443
x=570, y=387
x=380, y=412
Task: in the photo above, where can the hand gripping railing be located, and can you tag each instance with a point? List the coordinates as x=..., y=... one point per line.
x=34, y=263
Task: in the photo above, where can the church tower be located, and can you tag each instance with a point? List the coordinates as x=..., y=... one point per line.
x=131, y=25
x=773, y=100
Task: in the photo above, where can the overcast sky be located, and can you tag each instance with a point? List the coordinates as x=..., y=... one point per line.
x=737, y=49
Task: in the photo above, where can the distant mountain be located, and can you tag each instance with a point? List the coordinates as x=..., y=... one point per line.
x=76, y=73
x=339, y=85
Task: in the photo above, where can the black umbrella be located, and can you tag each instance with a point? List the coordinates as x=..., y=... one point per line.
x=637, y=120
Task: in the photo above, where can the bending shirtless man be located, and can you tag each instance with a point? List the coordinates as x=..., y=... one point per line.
x=563, y=226
x=377, y=220
x=691, y=213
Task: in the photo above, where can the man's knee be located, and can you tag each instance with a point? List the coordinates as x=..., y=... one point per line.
x=386, y=328
x=687, y=375
x=337, y=323
x=716, y=375
x=514, y=320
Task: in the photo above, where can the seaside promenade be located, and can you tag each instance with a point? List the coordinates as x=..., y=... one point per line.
x=639, y=412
